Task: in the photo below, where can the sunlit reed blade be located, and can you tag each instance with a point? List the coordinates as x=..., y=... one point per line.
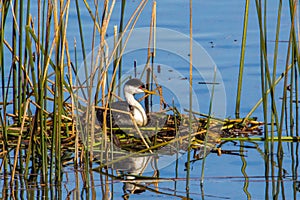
x=242, y=58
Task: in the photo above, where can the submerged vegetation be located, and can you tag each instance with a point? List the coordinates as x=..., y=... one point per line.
x=47, y=114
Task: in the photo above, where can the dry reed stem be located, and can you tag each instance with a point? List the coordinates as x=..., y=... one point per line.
x=136, y=13
x=19, y=143
x=92, y=16
x=140, y=8
x=139, y=132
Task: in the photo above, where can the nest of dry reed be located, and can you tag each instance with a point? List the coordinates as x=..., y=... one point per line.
x=177, y=131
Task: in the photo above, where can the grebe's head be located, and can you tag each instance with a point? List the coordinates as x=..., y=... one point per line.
x=135, y=86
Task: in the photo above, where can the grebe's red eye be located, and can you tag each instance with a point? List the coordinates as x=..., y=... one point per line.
x=142, y=87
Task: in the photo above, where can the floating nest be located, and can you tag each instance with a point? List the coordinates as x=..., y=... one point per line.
x=177, y=133
x=171, y=133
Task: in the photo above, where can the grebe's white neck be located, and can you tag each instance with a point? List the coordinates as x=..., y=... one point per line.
x=139, y=113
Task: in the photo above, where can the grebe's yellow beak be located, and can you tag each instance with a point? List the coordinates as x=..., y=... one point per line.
x=148, y=91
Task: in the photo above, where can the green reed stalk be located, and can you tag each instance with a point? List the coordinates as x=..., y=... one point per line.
x=35, y=87
x=263, y=66
x=266, y=128
x=14, y=70
x=44, y=39
x=46, y=27
x=81, y=38
x=4, y=12
x=31, y=63
x=265, y=24
x=289, y=113
x=297, y=101
x=21, y=88
x=293, y=12
x=284, y=95
x=242, y=58
x=40, y=111
x=265, y=96
x=14, y=54
x=46, y=61
x=187, y=186
x=62, y=58
x=19, y=92
x=31, y=154
x=276, y=44
x=275, y=69
x=120, y=45
x=57, y=97
x=265, y=69
x=30, y=53
x=208, y=126
x=296, y=59
x=291, y=97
